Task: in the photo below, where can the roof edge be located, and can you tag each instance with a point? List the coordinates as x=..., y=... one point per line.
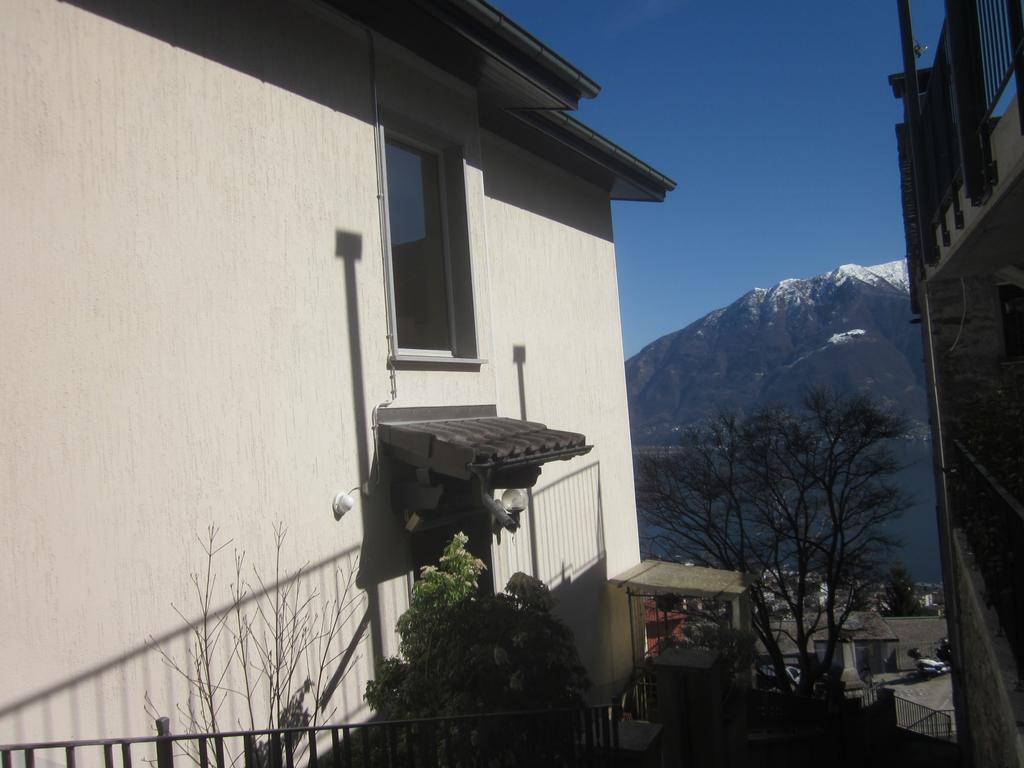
x=521, y=40
x=601, y=150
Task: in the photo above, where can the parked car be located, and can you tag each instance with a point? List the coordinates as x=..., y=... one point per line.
x=931, y=667
x=928, y=667
x=766, y=676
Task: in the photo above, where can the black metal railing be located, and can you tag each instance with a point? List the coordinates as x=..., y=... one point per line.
x=939, y=139
x=771, y=711
x=640, y=700
x=998, y=42
x=566, y=737
x=949, y=109
x=918, y=718
x=993, y=521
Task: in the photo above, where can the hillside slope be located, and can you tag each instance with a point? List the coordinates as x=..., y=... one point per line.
x=848, y=329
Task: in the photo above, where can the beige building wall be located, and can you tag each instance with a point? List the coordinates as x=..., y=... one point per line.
x=553, y=267
x=194, y=335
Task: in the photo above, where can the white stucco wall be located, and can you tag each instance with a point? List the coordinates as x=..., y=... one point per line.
x=194, y=334
x=559, y=303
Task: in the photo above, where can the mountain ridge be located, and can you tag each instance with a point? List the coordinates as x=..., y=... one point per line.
x=847, y=328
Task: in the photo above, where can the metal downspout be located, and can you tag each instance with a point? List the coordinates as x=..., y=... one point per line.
x=945, y=529
x=378, y=152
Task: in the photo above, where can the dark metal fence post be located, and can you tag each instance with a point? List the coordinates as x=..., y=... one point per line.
x=311, y=737
x=164, y=744
x=249, y=751
x=572, y=736
x=616, y=717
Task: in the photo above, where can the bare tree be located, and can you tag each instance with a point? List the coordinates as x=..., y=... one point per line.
x=270, y=647
x=800, y=500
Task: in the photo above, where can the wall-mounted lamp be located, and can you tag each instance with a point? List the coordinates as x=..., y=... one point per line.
x=344, y=502
x=505, y=512
x=514, y=500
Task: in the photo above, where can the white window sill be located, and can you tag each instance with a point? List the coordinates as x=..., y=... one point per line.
x=402, y=360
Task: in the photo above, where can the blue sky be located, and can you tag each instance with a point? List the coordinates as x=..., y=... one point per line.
x=775, y=118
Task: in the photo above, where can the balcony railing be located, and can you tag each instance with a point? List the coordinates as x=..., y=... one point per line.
x=565, y=737
x=993, y=521
x=999, y=35
x=949, y=108
x=918, y=718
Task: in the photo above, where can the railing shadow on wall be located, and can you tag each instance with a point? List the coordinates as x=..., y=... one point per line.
x=81, y=705
x=99, y=700
x=565, y=525
x=563, y=531
x=570, y=525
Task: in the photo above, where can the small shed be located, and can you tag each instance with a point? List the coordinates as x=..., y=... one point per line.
x=652, y=578
x=925, y=633
x=874, y=640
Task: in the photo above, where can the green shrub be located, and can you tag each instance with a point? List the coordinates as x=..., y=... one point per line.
x=463, y=652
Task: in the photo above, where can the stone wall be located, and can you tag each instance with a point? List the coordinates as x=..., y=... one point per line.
x=967, y=343
x=995, y=706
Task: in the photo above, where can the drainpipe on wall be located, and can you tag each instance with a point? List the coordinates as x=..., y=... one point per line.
x=945, y=526
x=378, y=152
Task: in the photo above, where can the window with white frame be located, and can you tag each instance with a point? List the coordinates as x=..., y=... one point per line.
x=431, y=285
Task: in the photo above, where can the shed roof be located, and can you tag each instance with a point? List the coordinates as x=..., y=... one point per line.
x=657, y=577
x=868, y=625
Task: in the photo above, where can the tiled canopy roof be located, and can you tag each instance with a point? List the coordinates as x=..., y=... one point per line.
x=457, y=447
x=657, y=577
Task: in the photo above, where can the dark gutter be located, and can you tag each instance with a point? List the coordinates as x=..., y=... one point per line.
x=529, y=45
x=505, y=43
x=651, y=183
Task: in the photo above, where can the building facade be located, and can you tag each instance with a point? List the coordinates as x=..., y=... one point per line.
x=961, y=152
x=238, y=237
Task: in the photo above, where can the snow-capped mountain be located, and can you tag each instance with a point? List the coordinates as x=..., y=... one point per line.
x=848, y=329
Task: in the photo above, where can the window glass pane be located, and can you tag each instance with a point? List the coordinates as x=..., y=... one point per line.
x=417, y=248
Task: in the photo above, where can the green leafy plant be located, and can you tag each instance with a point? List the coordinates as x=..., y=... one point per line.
x=465, y=652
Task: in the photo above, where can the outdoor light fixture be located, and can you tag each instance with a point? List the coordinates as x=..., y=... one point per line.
x=514, y=500
x=344, y=502
x=505, y=512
